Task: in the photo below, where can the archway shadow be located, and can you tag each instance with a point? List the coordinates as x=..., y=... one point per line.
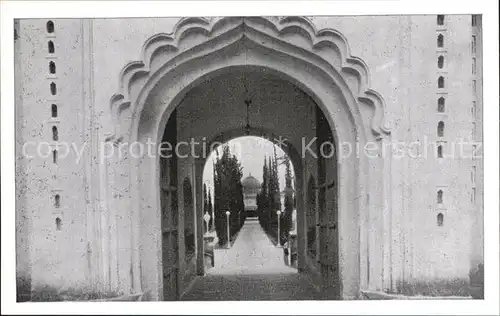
x=253, y=287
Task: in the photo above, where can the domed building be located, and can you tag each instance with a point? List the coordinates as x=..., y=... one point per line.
x=251, y=186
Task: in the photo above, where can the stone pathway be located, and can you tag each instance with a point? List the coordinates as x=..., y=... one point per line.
x=253, y=269
x=251, y=253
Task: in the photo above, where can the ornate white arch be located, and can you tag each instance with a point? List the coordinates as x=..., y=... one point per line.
x=319, y=62
x=325, y=48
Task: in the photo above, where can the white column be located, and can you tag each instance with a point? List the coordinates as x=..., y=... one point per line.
x=111, y=219
x=387, y=230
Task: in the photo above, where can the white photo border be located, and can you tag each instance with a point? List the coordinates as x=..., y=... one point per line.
x=102, y=9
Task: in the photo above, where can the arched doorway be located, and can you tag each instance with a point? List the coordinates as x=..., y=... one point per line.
x=351, y=113
x=214, y=109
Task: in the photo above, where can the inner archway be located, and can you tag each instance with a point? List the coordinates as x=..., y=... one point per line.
x=255, y=102
x=261, y=179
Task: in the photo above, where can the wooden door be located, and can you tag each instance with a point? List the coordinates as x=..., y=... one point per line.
x=327, y=208
x=169, y=215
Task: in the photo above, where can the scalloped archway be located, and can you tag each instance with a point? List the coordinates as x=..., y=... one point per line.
x=317, y=62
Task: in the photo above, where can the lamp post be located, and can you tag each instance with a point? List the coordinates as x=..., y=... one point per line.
x=278, y=212
x=228, y=236
x=206, y=218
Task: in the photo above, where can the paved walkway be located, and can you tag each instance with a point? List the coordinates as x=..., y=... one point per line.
x=251, y=253
x=253, y=269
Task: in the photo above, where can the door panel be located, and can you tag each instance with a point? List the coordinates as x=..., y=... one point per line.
x=327, y=207
x=169, y=206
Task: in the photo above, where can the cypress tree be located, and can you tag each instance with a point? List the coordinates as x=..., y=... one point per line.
x=276, y=181
x=274, y=189
x=235, y=187
x=228, y=194
x=264, y=207
x=271, y=189
x=286, y=221
x=262, y=198
x=219, y=207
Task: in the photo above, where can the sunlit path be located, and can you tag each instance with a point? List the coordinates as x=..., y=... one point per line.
x=251, y=253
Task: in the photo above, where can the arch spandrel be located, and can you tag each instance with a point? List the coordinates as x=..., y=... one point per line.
x=194, y=37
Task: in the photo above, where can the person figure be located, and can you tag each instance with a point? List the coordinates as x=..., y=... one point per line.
x=286, y=252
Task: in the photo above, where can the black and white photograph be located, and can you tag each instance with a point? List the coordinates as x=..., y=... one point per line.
x=219, y=158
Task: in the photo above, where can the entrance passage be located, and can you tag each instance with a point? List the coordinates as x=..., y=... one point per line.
x=280, y=78
x=252, y=269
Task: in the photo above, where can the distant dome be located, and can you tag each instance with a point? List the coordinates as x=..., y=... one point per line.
x=250, y=183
